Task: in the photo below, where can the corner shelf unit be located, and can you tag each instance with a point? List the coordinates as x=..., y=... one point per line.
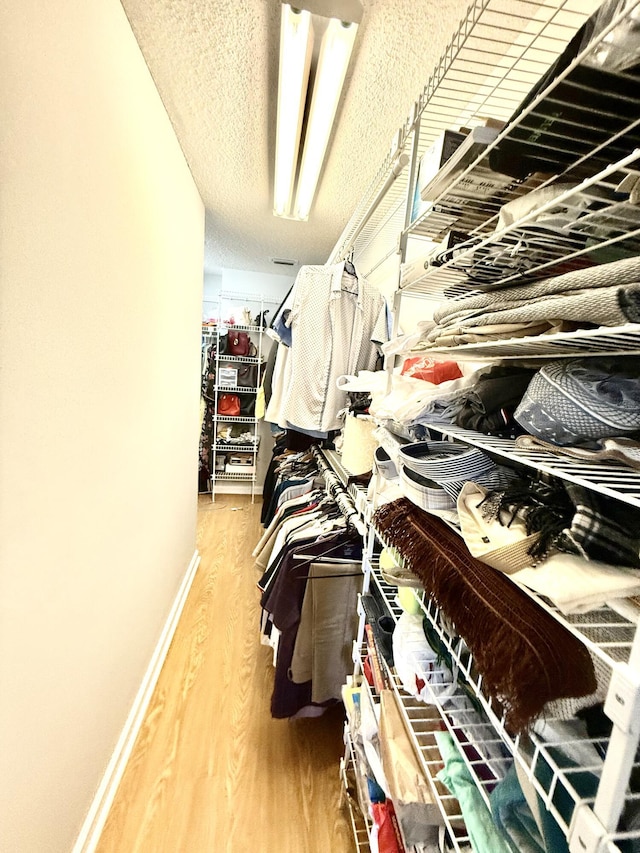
x=492, y=69
x=218, y=454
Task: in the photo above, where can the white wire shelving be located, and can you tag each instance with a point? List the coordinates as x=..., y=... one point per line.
x=359, y=822
x=615, y=480
x=213, y=332
x=422, y=722
x=222, y=447
x=558, y=781
x=494, y=58
x=236, y=389
x=615, y=340
x=234, y=475
x=581, y=129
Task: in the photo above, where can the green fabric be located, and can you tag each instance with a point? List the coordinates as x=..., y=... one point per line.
x=483, y=833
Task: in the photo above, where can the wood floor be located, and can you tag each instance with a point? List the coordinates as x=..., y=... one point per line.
x=211, y=771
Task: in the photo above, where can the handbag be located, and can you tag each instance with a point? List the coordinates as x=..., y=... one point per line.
x=247, y=403
x=247, y=375
x=229, y=405
x=238, y=343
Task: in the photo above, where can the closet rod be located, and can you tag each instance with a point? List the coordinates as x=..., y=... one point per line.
x=338, y=492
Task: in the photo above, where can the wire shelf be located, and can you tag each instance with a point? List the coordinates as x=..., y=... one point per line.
x=608, y=478
x=562, y=791
x=241, y=359
x=236, y=389
x=236, y=475
x=212, y=328
x=614, y=340
x=498, y=53
x=234, y=420
x=597, y=226
x=360, y=824
x=421, y=722
x=235, y=448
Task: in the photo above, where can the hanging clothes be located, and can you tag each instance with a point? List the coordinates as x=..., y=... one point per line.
x=284, y=600
x=336, y=320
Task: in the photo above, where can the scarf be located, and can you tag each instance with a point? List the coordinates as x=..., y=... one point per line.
x=525, y=656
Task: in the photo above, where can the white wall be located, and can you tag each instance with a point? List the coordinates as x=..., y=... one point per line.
x=211, y=296
x=101, y=244
x=270, y=286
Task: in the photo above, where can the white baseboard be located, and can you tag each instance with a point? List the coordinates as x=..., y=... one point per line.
x=94, y=822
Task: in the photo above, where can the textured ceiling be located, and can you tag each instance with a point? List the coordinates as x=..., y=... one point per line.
x=215, y=64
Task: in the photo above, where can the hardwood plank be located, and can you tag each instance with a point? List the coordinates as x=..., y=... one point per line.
x=211, y=770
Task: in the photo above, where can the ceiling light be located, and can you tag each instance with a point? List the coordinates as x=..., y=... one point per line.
x=296, y=46
x=335, y=53
x=296, y=58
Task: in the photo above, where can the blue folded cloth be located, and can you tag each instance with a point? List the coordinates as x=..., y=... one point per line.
x=513, y=816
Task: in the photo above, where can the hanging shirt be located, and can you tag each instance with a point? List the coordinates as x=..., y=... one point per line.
x=336, y=320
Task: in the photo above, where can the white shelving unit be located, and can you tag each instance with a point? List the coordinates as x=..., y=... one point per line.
x=212, y=333
x=495, y=59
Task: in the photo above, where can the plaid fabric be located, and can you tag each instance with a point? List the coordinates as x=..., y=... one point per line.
x=424, y=493
x=597, y=536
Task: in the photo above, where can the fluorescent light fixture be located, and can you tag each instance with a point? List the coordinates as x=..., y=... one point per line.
x=335, y=52
x=296, y=47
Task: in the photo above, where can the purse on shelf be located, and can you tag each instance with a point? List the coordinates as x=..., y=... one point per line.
x=247, y=375
x=247, y=404
x=238, y=343
x=229, y=405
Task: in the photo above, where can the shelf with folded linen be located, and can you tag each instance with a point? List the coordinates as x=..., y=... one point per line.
x=616, y=340
x=581, y=302
x=559, y=757
x=551, y=187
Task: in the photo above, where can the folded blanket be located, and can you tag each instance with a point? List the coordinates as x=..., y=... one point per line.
x=526, y=657
x=576, y=585
x=603, y=306
x=442, y=337
x=624, y=450
x=614, y=274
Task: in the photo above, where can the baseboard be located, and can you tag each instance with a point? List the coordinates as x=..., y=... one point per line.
x=93, y=825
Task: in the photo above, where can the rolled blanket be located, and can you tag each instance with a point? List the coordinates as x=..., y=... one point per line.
x=525, y=656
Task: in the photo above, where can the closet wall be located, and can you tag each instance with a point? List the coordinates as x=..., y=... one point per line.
x=101, y=270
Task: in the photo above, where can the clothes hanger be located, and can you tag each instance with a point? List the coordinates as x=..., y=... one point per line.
x=308, y=559
x=349, y=268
